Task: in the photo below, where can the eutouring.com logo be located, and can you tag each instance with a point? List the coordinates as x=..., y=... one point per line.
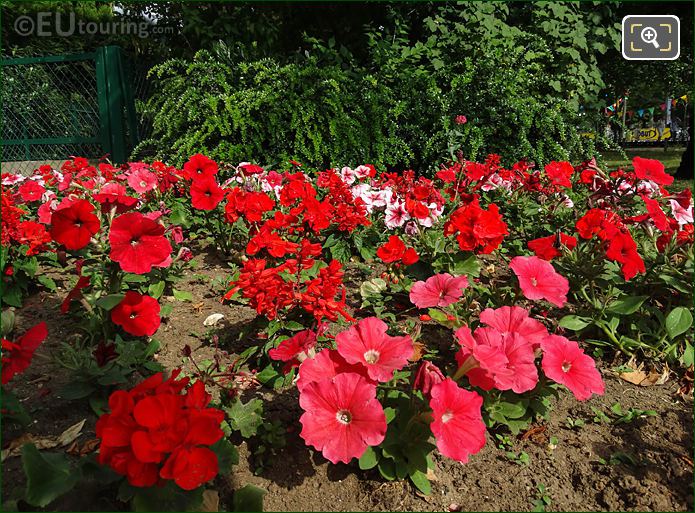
x=48, y=24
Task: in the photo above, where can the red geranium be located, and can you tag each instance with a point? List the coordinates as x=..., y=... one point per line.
x=476, y=229
x=137, y=314
x=138, y=243
x=206, y=194
x=395, y=251
x=17, y=355
x=74, y=225
x=31, y=190
x=154, y=432
x=34, y=235
x=559, y=173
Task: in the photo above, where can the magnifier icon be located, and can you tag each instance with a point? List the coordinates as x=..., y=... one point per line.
x=648, y=35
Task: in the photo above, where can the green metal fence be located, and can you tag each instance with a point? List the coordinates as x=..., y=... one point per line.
x=66, y=105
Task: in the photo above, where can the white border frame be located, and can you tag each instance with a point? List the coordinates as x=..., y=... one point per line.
x=649, y=16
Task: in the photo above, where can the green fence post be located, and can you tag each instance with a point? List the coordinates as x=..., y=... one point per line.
x=114, y=87
x=103, y=100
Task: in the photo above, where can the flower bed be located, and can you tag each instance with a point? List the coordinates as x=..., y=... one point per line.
x=412, y=315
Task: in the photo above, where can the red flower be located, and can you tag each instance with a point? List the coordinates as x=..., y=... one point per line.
x=137, y=314
x=31, y=190
x=564, y=362
x=155, y=432
x=549, y=247
x=205, y=193
x=650, y=169
x=560, y=173
x=342, y=417
x=16, y=356
x=457, y=423
x=367, y=343
x=138, y=243
x=34, y=235
x=656, y=214
x=395, y=251
x=114, y=195
x=476, y=229
x=326, y=365
x=623, y=249
x=250, y=169
x=73, y=226
x=538, y=280
x=199, y=165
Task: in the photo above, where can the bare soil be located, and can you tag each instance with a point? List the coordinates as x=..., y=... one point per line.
x=644, y=465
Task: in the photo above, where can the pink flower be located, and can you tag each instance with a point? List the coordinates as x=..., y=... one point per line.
x=460, y=119
x=396, y=215
x=514, y=319
x=141, y=180
x=439, y=290
x=680, y=214
x=457, y=423
x=325, y=365
x=538, y=280
x=367, y=343
x=564, y=362
x=427, y=376
x=342, y=417
x=295, y=350
x=490, y=359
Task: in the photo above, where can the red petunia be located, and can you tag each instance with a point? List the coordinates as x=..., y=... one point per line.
x=17, y=355
x=138, y=243
x=367, y=343
x=428, y=375
x=514, y=319
x=342, y=417
x=295, y=350
x=538, y=280
x=115, y=195
x=623, y=249
x=206, y=194
x=457, y=423
x=550, y=247
x=325, y=365
x=656, y=214
x=564, y=362
x=74, y=225
x=650, y=169
x=199, y=165
x=137, y=314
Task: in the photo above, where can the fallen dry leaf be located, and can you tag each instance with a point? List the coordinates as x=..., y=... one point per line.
x=418, y=351
x=198, y=307
x=67, y=437
x=88, y=447
x=537, y=434
x=644, y=379
x=211, y=501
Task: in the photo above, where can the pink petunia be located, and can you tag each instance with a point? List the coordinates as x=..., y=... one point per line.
x=504, y=362
x=439, y=290
x=141, y=180
x=457, y=423
x=325, y=365
x=514, y=319
x=565, y=362
x=538, y=280
x=342, y=417
x=295, y=350
x=367, y=343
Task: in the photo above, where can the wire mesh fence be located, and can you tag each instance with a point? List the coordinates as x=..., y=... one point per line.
x=73, y=105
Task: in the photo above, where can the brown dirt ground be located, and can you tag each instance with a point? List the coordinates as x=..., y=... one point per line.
x=660, y=477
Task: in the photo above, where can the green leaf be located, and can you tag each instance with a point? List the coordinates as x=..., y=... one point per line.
x=678, y=321
x=246, y=418
x=420, y=480
x=76, y=390
x=511, y=410
x=465, y=264
x=47, y=282
x=390, y=414
x=369, y=459
x=13, y=410
x=227, y=455
x=626, y=305
x=109, y=302
x=688, y=356
x=387, y=469
x=134, y=278
x=248, y=498
x=574, y=322
x=48, y=475
x=156, y=289
x=183, y=295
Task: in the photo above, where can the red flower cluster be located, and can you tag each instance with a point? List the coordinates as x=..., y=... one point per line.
x=616, y=238
x=271, y=289
x=477, y=229
x=249, y=205
x=17, y=355
x=395, y=251
x=154, y=432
